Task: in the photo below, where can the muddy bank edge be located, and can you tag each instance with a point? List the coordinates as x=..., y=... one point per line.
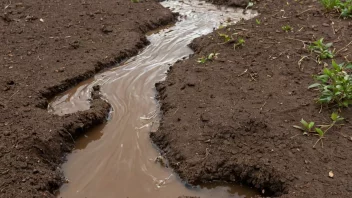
x=231, y=119
x=46, y=48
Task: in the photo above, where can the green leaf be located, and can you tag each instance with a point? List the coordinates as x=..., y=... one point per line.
x=320, y=132
x=310, y=126
x=334, y=116
x=327, y=71
x=335, y=65
x=304, y=123
x=314, y=85
x=348, y=66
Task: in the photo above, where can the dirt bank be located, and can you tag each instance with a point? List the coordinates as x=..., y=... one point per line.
x=47, y=47
x=231, y=119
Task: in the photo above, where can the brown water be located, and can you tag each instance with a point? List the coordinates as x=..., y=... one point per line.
x=117, y=159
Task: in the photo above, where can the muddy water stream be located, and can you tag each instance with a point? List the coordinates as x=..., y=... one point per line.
x=117, y=159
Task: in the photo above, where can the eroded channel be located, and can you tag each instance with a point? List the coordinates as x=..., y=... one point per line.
x=118, y=159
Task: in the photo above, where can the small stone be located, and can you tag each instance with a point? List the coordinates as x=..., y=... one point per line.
x=62, y=69
x=331, y=174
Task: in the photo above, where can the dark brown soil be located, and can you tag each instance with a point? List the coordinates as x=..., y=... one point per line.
x=46, y=48
x=231, y=119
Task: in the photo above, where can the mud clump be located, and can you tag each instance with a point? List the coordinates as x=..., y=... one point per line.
x=46, y=54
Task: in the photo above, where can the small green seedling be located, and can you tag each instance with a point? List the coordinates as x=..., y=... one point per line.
x=322, y=49
x=335, y=117
x=335, y=85
x=135, y=1
x=240, y=42
x=330, y=4
x=210, y=57
x=249, y=5
x=343, y=7
x=287, y=28
x=308, y=127
x=346, y=9
x=225, y=37
x=257, y=21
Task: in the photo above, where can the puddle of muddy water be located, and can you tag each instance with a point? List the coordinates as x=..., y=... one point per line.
x=117, y=159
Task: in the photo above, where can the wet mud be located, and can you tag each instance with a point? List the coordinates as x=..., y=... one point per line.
x=118, y=159
x=231, y=119
x=46, y=48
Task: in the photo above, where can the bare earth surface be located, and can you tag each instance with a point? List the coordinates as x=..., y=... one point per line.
x=231, y=119
x=47, y=47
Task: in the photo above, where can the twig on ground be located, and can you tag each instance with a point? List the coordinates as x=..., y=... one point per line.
x=245, y=71
x=251, y=75
x=300, y=62
x=73, y=140
x=343, y=47
x=304, y=42
x=294, y=136
x=261, y=108
x=176, y=111
x=14, y=94
x=310, y=9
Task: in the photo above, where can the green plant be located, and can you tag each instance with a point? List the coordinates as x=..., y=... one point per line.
x=210, y=57
x=330, y=4
x=322, y=49
x=257, y=21
x=335, y=85
x=225, y=37
x=308, y=127
x=240, y=42
x=135, y=1
x=335, y=117
x=343, y=7
x=286, y=28
x=249, y=5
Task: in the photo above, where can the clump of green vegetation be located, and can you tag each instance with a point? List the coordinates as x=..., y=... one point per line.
x=135, y=1
x=346, y=8
x=225, y=37
x=343, y=7
x=240, y=42
x=330, y=4
x=321, y=130
x=335, y=85
x=322, y=49
x=210, y=57
x=257, y=21
x=287, y=28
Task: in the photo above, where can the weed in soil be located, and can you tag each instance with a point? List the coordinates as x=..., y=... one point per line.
x=343, y=7
x=210, y=57
x=330, y=4
x=225, y=37
x=287, y=28
x=240, y=42
x=257, y=21
x=322, y=49
x=335, y=85
x=308, y=127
